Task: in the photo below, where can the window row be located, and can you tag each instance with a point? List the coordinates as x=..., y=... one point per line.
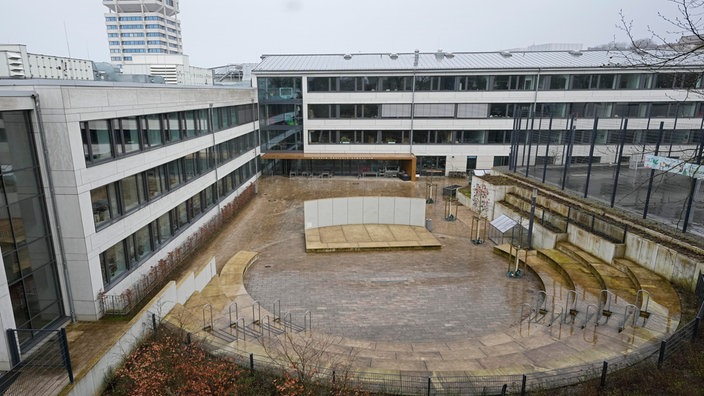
x=405, y=137
x=681, y=137
x=105, y=140
x=115, y=200
x=484, y=110
x=128, y=254
x=528, y=82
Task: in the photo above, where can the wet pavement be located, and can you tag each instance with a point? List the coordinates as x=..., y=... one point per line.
x=453, y=293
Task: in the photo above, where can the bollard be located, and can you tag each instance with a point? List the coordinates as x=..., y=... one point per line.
x=603, y=374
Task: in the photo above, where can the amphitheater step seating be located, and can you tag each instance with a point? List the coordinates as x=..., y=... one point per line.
x=588, y=283
x=663, y=297
x=526, y=346
x=618, y=282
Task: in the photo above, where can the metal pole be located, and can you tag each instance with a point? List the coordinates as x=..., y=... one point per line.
x=533, y=198
x=661, y=355
x=547, y=150
x=568, y=155
x=618, y=161
x=65, y=354
x=652, y=172
x=603, y=374
x=591, y=157
x=693, y=185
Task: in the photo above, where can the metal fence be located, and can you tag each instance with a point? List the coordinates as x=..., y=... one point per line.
x=605, y=160
x=439, y=384
x=42, y=369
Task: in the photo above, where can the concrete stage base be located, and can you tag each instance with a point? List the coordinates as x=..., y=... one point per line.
x=363, y=237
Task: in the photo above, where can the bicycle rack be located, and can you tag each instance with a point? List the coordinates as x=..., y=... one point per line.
x=628, y=311
x=607, y=298
x=207, y=327
x=643, y=296
x=570, y=309
x=290, y=321
x=554, y=317
x=244, y=329
x=256, y=319
x=277, y=318
x=237, y=314
x=541, y=307
x=588, y=315
x=309, y=323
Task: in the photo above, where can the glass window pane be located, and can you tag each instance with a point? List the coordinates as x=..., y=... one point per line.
x=173, y=132
x=190, y=124
x=142, y=243
x=129, y=134
x=174, y=176
x=99, y=134
x=154, y=182
x=153, y=130
x=113, y=262
x=130, y=193
x=165, y=229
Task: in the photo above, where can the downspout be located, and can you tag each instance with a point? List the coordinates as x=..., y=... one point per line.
x=54, y=207
x=413, y=98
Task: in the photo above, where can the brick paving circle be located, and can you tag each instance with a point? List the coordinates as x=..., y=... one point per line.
x=454, y=293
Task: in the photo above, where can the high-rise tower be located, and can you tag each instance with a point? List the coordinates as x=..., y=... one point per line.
x=142, y=27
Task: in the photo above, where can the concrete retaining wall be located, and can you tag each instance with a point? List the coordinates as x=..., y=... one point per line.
x=91, y=382
x=364, y=210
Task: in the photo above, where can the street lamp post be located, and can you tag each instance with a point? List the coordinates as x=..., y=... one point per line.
x=533, y=198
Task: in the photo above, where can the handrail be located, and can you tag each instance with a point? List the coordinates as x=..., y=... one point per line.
x=633, y=311
x=310, y=321
x=588, y=316
x=237, y=314
x=277, y=318
x=570, y=309
x=256, y=319
x=207, y=327
x=605, y=308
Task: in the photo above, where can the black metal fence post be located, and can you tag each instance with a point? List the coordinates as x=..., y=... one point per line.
x=652, y=171
x=603, y=374
x=14, y=347
x=591, y=156
x=154, y=323
x=695, y=332
x=429, y=381
x=63, y=344
x=251, y=361
x=523, y=385
x=661, y=356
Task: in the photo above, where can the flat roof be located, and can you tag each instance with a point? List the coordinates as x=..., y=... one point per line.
x=447, y=61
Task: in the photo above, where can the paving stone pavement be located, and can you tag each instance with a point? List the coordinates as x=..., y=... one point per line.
x=457, y=292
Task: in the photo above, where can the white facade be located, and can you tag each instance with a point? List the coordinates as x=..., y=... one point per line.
x=62, y=115
x=370, y=100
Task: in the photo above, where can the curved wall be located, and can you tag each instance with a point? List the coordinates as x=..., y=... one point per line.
x=364, y=210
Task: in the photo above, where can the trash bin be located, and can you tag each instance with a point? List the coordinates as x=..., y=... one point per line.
x=429, y=224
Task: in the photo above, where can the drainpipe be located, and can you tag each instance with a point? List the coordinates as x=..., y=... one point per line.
x=413, y=98
x=54, y=207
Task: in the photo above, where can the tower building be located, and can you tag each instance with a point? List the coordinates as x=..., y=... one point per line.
x=142, y=27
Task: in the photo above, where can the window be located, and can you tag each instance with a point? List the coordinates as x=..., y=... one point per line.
x=113, y=262
x=155, y=182
x=132, y=191
x=105, y=204
x=97, y=145
x=172, y=127
x=501, y=160
x=127, y=135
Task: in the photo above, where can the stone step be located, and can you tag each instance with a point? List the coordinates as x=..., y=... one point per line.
x=664, y=299
x=588, y=284
x=615, y=280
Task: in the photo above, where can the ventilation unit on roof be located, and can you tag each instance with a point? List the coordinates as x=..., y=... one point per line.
x=393, y=56
x=347, y=56
x=449, y=55
x=575, y=52
x=506, y=54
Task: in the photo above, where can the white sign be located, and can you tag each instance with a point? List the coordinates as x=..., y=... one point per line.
x=672, y=165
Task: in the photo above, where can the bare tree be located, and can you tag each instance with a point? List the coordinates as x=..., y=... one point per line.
x=660, y=49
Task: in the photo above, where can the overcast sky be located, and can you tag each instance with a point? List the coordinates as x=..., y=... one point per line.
x=218, y=32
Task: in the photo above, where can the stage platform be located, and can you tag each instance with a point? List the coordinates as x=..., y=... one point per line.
x=362, y=237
